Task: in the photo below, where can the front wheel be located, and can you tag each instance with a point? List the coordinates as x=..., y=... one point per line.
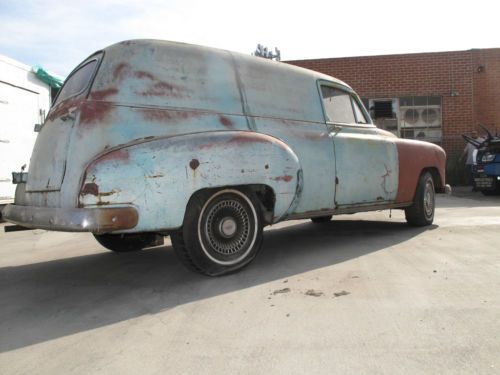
x=421, y=212
x=222, y=232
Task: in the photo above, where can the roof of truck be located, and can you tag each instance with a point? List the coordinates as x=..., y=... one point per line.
x=157, y=43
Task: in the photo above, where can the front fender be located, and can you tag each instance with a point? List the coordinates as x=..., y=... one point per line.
x=159, y=175
x=414, y=157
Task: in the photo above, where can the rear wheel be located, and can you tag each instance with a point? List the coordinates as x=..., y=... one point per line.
x=421, y=213
x=321, y=219
x=222, y=232
x=122, y=243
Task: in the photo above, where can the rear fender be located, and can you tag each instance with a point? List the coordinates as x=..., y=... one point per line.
x=159, y=175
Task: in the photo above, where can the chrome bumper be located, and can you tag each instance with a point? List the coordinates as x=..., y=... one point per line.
x=95, y=220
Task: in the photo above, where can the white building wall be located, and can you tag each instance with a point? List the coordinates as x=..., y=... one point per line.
x=24, y=101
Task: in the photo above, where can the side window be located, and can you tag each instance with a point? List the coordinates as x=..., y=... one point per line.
x=360, y=117
x=77, y=81
x=338, y=107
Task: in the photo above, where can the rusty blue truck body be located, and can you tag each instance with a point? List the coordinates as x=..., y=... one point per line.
x=144, y=129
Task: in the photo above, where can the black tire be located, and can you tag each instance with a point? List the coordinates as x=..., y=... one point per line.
x=421, y=213
x=321, y=219
x=221, y=233
x=489, y=192
x=122, y=243
x=494, y=191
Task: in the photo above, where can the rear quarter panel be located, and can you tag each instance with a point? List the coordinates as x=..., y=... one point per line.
x=158, y=176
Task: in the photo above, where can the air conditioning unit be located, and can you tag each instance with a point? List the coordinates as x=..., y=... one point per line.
x=421, y=116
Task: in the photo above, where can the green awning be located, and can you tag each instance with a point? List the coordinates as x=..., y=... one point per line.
x=50, y=79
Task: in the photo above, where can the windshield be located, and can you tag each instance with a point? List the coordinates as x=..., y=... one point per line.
x=77, y=82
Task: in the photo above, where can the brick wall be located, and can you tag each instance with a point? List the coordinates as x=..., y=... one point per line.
x=470, y=95
x=486, y=65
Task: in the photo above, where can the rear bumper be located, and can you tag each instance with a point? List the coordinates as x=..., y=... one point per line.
x=95, y=220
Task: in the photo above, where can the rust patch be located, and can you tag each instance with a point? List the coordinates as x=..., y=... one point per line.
x=121, y=71
x=413, y=158
x=108, y=193
x=226, y=122
x=142, y=74
x=162, y=89
x=120, y=154
x=193, y=164
x=90, y=188
x=248, y=139
x=64, y=107
x=103, y=94
x=286, y=178
x=162, y=115
x=157, y=87
x=94, y=112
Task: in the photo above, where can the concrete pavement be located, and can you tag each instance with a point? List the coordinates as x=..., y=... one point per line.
x=363, y=294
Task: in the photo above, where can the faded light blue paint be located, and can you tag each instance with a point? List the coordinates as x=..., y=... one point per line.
x=159, y=121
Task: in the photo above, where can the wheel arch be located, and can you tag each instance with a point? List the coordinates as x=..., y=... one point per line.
x=167, y=171
x=265, y=195
x=436, y=178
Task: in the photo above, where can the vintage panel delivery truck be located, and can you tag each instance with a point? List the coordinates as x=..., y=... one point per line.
x=151, y=138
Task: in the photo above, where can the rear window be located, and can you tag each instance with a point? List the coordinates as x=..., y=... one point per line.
x=77, y=82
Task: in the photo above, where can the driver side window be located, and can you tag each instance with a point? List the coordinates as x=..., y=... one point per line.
x=341, y=107
x=338, y=107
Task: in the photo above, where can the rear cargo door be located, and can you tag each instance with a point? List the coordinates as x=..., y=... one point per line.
x=48, y=161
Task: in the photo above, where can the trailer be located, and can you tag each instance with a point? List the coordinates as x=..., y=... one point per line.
x=25, y=98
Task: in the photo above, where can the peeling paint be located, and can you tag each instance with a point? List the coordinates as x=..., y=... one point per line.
x=285, y=178
x=103, y=94
x=94, y=113
x=162, y=115
x=226, y=121
x=64, y=108
x=121, y=71
x=90, y=188
x=384, y=180
x=119, y=154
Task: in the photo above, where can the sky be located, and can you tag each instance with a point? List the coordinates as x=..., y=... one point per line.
x=58, y=34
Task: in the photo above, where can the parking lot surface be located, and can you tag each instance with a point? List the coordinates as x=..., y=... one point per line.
x=363, y=294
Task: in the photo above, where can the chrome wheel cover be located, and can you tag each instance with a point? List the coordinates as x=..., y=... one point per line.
x=227, y=230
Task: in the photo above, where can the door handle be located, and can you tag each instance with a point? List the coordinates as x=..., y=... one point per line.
x=333, y=130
